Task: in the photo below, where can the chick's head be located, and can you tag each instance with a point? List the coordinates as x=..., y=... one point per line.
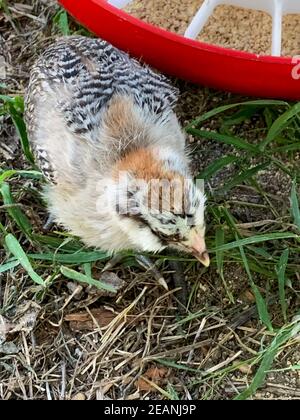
x=163, y=212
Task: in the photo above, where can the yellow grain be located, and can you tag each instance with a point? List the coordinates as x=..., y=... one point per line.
x=229, y=26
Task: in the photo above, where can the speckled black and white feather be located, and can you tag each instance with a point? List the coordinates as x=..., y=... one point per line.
x=82, y=75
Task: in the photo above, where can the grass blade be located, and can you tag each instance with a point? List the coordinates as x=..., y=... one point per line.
x=22, y=132
x=287, y=148
x=172, y=392
x=6, y=174
x=260, y=302
x=245, y=113
x=224, y=108
x=236, y=142
x=17, y=251
x=3, y=230
x=15, y=212
x=76, y=258
x=281, y=269
x=295, y=205
x=220, y=261
x=62, y=22
x=243, y=176
x=285, y=334
x=255, y=240
x=261, y=252
x=216, y=166
x=14, y=106
x=11, y=172
x=8, y=266
x=87, y=269
x=55, y=242
x=219, y=253
x=16, y=101
x=280, y=124
x=74, y=275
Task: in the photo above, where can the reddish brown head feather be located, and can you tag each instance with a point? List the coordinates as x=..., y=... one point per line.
x=143, y=165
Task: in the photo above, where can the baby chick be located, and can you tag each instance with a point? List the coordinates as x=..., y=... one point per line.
x=105, y=135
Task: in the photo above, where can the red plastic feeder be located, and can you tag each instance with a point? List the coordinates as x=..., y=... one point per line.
x=205, y=64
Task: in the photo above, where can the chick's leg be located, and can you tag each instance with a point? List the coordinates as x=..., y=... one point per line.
x=116, y=259
x=179, y=281
x=143, y=262
x=149, y=266
x=178, y=278
x=49, y=223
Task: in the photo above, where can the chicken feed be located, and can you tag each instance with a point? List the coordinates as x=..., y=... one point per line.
x=229, y=26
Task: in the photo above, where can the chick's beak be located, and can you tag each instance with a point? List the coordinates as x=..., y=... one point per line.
x=198, y=248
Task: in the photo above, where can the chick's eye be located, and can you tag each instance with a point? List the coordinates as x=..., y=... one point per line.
x=166, y=222
x=190, y=219
x=172, y=222
x=167, y=237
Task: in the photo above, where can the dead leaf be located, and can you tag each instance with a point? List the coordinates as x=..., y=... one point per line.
x=109, y=278
x=142, y=385
x=24, y=320
x=247, y=296
x=81, y=321
x=244, y=368
x=26, y=317
x=154, y=374
x=79, y=397
x=5, y=327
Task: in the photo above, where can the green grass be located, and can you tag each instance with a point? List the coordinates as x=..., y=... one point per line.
x=285, y=334
x=275, y=252
x=271, y=251
x=82, y=278
x=17, y=251
x=64, y=25
x=3, y=5
x=61, y=21
x=14, y=106
x=263, y=359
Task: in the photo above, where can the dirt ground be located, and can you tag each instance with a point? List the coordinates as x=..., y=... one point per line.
x=74, y=342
